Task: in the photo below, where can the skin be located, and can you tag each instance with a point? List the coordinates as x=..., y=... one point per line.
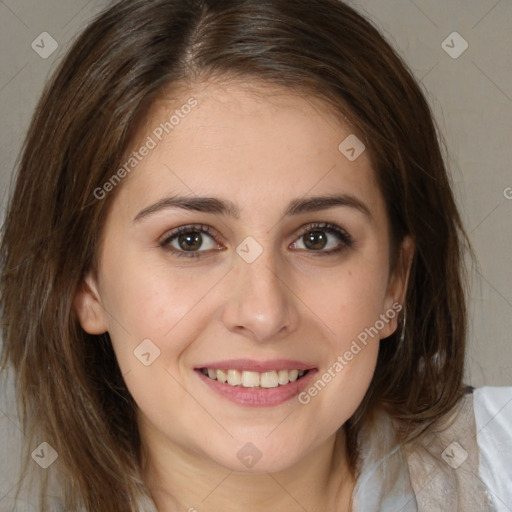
x=291, y=302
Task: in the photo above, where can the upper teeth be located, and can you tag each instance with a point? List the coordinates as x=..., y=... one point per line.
x=249, y=379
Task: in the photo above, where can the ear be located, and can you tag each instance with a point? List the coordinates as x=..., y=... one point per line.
x=88, y=307
x=397, y=286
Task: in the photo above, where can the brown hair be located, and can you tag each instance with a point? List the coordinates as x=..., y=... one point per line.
x=68, y=383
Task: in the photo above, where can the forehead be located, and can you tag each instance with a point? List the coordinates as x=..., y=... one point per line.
x=250, y=139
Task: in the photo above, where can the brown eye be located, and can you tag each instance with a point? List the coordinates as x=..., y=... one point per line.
x=324, y=239
x=190, y=241
x=315, y=240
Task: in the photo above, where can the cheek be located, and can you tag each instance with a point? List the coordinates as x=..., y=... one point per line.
x=351, y=352
x=146, y=301
x=347, y=300
x=349, y=304
x=157, y=316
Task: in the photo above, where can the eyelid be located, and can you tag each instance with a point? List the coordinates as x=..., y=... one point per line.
x=172, y=233
x=326, y=226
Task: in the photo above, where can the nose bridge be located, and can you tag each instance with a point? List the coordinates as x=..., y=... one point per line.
x=260, y=303
x=261, y=276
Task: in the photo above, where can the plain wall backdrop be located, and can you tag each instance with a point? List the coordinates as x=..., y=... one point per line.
x=467, y=78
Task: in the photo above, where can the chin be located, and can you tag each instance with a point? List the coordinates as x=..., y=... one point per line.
x=255, y=458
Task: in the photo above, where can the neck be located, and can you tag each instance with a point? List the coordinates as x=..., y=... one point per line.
x=183, y=481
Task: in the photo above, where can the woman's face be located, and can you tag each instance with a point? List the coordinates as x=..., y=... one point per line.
x=269, y=276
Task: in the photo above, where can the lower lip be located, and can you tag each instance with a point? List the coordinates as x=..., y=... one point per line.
x=252, y=397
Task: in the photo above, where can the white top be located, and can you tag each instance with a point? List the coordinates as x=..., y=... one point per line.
x=493, y=416
x=465, y=468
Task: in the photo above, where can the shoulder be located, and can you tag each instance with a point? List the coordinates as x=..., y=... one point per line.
x=471, y=455
x=464, y=463
x=493, y=420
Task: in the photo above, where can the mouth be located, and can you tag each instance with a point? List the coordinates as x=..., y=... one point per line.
x=252, y=379
x=250, y=383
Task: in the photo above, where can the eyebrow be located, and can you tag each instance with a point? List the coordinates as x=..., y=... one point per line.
x=226, y=207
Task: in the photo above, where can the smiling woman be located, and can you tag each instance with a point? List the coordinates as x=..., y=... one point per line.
x=267, y=311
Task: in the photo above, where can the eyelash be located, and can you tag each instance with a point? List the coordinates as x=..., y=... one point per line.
x=346, y=239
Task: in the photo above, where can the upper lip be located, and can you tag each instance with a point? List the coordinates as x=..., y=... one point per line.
x=257, y=366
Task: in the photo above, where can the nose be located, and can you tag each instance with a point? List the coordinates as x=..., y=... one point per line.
x=261, y=304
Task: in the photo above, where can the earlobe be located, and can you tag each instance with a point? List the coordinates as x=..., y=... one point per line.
x=88, y=307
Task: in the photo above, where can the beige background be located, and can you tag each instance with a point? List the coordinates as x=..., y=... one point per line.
x=472, y=100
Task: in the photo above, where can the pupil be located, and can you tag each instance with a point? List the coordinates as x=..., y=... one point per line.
x=190, y=241
x=317, y=239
